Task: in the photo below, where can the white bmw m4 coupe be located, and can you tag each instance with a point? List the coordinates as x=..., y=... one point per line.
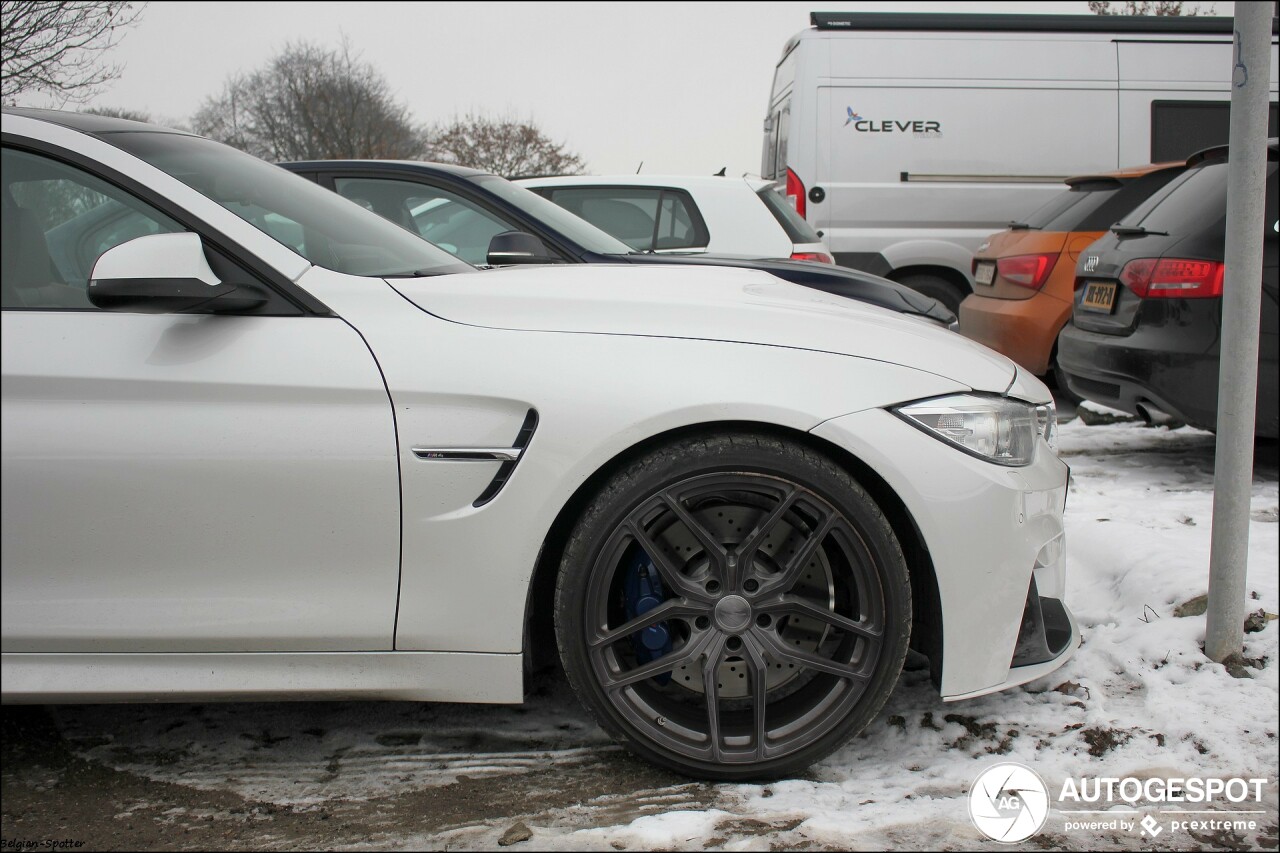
x=259, y=442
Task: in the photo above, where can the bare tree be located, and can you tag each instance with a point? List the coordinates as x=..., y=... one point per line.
x=505, y=146
x=309, y=103
x=119, y=112
x=57, y=47
x=1172, y=8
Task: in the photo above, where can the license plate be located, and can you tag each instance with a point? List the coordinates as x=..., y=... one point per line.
x=1099, y=296
x=985, y=273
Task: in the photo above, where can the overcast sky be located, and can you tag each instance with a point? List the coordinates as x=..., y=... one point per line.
x=680, y=86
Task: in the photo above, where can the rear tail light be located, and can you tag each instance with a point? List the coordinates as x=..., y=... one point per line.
x=1030, y=271
x=795, y=192
x=820, y=257
x=1173, y=278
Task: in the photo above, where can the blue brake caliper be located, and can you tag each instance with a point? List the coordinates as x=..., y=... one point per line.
x=641, y=592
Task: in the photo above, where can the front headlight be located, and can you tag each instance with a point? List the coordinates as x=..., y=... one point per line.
x=997, y=429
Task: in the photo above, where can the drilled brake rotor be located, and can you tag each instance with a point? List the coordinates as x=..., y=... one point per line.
x=730, y=525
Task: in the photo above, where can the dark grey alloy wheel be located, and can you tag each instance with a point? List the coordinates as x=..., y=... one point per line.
x=734, y=607
x=936, y=287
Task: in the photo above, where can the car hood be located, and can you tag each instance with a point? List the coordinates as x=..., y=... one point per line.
x=836, y=280
x=705, y=303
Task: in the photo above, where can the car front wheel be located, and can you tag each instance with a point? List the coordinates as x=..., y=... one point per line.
x=733, y=607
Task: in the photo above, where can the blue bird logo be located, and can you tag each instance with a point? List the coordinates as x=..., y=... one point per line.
x=852, y=116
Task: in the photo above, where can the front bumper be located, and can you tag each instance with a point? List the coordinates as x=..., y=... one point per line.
x=991, y=533
x=1047, y=639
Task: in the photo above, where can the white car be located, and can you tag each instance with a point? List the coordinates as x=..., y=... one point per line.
x=258, y=442
x=685, y=214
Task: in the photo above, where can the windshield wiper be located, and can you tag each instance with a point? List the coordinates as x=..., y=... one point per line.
x=415, y=274
x=1022, y=226
x=1135, y=231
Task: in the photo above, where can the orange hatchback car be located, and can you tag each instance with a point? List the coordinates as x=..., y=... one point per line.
x=1024, y=276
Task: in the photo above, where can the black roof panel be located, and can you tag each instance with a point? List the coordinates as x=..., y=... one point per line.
x=1163, y=24
x=374, y=165
x=88, y=122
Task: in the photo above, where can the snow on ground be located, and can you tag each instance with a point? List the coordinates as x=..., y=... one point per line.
x=1138, y=699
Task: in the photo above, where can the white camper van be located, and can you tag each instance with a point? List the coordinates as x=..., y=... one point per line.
x=907, y=139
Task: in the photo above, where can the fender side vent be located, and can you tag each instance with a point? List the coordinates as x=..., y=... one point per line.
x=508, y=468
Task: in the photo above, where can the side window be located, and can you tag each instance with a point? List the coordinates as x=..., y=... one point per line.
x=679, y=225
x=628, y=214
x=647, y=220
x=446, y=219
x=57, y=221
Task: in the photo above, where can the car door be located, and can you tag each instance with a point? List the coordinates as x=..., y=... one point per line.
x=180, y=482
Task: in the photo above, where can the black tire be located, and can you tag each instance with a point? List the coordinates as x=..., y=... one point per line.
x=937, y=287
x=812, y=613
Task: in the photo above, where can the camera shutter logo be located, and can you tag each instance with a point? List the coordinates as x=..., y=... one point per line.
x=1008, y=803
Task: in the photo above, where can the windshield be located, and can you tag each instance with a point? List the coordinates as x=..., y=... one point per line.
x=1194, y=205
x=320, y=225
x=1060, y=212
x=1096, y=204
x=554, y=216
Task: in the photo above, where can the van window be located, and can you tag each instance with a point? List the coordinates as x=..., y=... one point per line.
x=784, y=75
x=1181, y=128
x=782, y=122
x=775, y=143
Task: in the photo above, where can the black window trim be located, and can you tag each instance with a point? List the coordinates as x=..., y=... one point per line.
x=308, y=304
x=701, y=232
x=699, y=224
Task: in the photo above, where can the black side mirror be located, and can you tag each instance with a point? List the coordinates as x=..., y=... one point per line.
x=517, y=247
x=164, y=274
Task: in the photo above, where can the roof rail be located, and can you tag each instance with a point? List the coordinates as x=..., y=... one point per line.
x=1164, y=24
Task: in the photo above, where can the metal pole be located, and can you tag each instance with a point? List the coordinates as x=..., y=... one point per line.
x=1241, y=303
